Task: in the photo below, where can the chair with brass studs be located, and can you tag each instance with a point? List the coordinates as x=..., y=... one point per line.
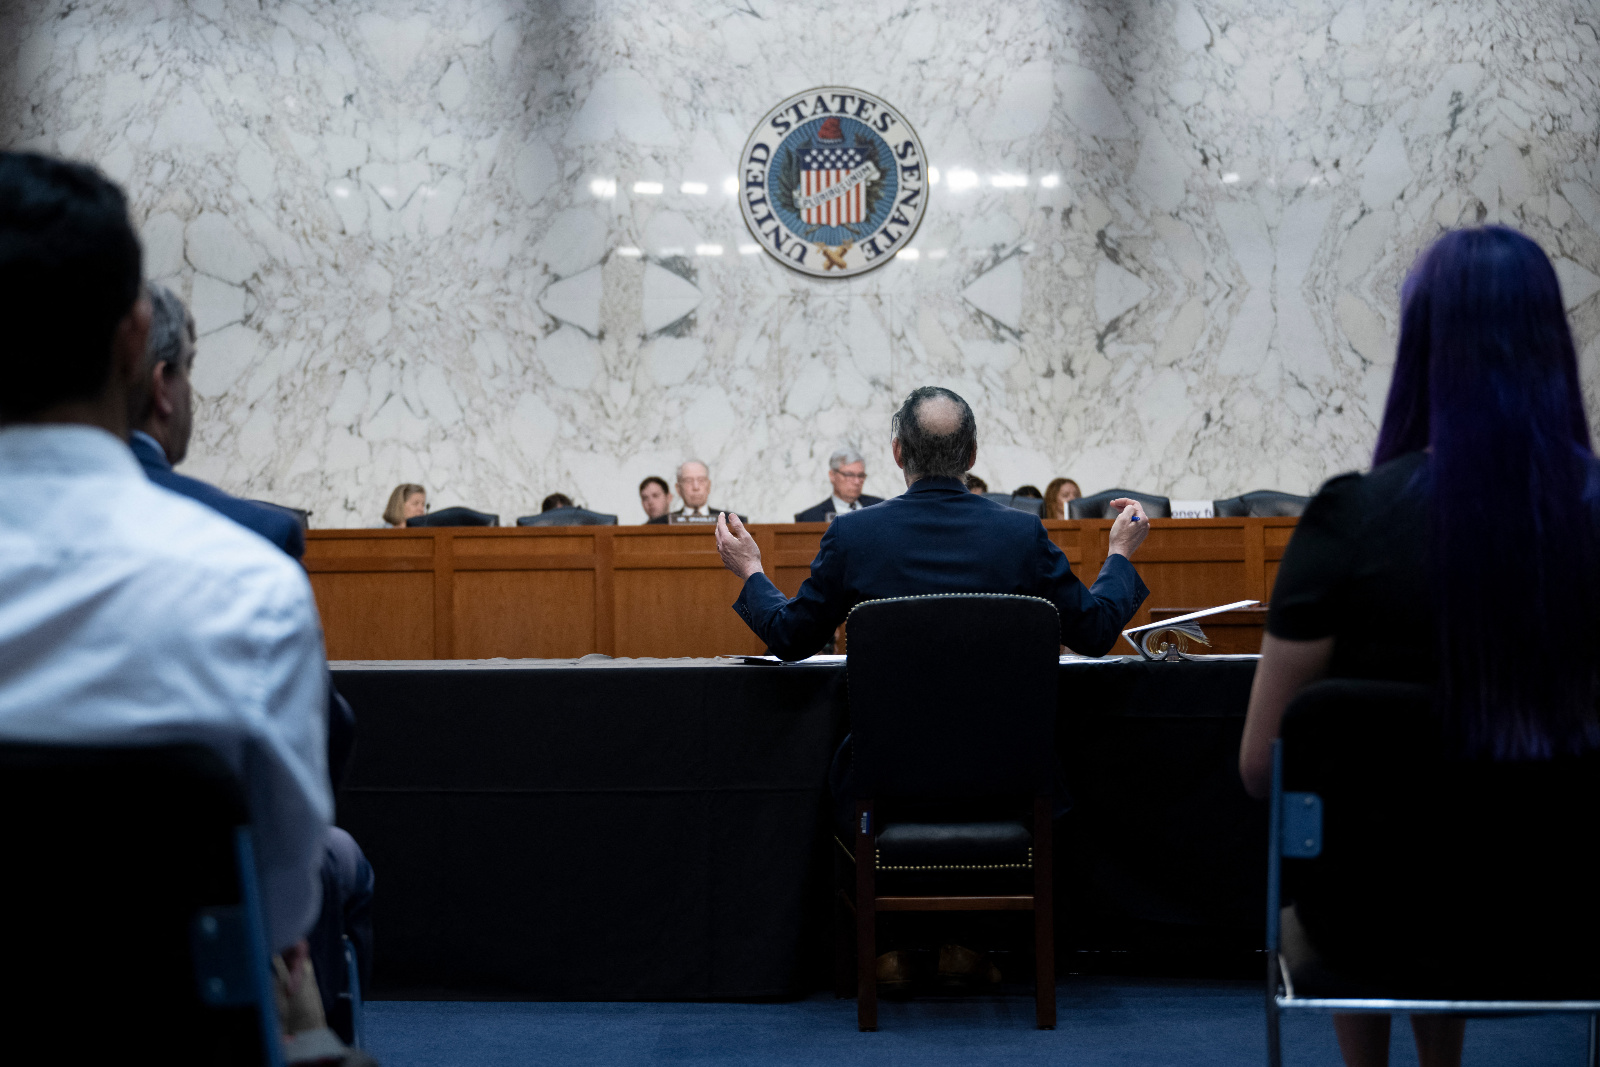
x=953, y=769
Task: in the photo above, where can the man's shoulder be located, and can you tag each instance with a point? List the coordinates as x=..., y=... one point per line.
x=816, y=512
x=176, y=528
x=276, y=527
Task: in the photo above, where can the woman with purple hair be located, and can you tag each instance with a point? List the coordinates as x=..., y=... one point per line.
x=1466, y=558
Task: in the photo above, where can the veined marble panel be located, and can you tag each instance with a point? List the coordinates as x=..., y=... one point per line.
x=492, y=246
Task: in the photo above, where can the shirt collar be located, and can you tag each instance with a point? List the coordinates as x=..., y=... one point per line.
x=65, y=450
x=148, y=450
x=841, y=506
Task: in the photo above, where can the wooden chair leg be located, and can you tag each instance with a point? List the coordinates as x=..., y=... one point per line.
x=866, y=921
x=844, y=946
x=1044, y=926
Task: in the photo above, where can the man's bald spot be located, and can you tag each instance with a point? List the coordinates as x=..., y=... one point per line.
x=939, y=416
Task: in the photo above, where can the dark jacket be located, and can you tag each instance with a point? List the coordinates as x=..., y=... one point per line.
x=939, y=538
x=277, y=527
x=820, y=512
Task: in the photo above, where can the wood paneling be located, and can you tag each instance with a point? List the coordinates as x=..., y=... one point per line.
x=559, y=592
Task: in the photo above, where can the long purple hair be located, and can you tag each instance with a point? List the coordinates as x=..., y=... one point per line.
x=1487, y=378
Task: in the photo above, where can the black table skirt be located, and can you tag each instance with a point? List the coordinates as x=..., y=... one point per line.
x=659, y=829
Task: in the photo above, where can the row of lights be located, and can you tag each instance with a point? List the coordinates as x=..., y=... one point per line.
x=959, y=181
x=632, y=252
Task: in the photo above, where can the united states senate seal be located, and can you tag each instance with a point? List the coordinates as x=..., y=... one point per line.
x=833, y=182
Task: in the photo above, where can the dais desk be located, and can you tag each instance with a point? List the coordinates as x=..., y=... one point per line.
x=466, y=592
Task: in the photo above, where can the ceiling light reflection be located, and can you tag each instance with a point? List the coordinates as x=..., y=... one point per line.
x=647, y=188
x=1008, y=181
x=694, y=188
x=629, y=251
x=962, y=179
x=708, y=250
x=910, y=254
x=1229, y=178
x=1050, y=181
x=730, y=185
x=603, y=188
x=749, y=250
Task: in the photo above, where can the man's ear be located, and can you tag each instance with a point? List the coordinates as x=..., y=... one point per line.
x=972, y=460
x=161, y=376
x=898, y=462
x=129, y=341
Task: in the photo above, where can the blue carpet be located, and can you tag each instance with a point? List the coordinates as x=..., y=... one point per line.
x=1103, y=1021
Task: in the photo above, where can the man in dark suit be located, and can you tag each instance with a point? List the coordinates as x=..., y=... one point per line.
x=936, y=538
x=694, y=489
x=162, y=418
x=847, y=470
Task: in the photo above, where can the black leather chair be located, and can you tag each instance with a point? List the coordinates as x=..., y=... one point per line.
x=1031, y=504
x=300, y=515
x=1261, y=504
x=568, y=517
x=1099, y=505
x=455, y=517
x=955, y=770
x=1421, y=882
x=133, y=914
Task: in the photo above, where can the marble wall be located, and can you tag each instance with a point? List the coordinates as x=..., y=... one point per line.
x=492, y=245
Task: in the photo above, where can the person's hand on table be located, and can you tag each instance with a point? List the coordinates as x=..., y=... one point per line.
x=1130, y=529
x=736, y=547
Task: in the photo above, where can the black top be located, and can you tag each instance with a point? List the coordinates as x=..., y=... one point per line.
x=1356, y=570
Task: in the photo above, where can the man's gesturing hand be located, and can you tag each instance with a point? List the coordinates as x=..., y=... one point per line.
x=1130, y=529
x=736, y=547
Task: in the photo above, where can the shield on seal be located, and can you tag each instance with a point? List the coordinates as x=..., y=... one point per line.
x=833, y=179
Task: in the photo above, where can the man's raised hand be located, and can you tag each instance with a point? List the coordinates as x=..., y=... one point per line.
x=1130, y=529
x=736, y=547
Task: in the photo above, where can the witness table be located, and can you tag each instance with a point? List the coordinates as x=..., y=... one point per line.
x=566, y=591
x=614, y=829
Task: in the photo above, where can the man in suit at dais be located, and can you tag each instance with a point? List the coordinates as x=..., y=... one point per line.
x=694, y=489
x=936, y=538
x=847, y=470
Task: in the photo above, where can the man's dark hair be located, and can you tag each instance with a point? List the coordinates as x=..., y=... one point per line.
x=931, y=455
x=69, y=271
x=662, y=482
x=555, y=500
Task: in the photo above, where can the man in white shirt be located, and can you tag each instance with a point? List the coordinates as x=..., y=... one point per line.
x=694, y=489
x=847, y=473
x=129, y=614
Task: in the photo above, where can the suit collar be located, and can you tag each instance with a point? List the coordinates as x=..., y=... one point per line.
x=936, y=485
x=147, y=450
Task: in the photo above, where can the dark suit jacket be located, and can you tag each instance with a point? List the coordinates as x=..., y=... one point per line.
x=939, y=538
x=820, y=512
x=277, y=527
x=663, y=519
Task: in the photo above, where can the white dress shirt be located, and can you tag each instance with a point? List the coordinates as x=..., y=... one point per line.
x=132, y=615
x=840, y=506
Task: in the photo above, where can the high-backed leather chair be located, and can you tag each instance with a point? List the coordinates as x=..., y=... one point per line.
x=1263, y=503
x=300, y=515
x=1421, y=881
x=1031, y=504
x=568, y=517
x=135, y=918
x=954, y=767
x=1098, y=506
x=455, y=517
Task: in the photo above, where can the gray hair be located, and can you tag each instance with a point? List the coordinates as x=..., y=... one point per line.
x=844, y=457
x=171, y=326
x=677, y=475
x=931, y=455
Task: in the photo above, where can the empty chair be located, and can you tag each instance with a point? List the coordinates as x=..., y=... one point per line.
x=135, y=916
x=457, y=516
x=568, y=517
x=1420, y=882
x=1030, y=504
x=1261, y=504
x=300, y=515
x=1099, y=505
x=954, y=785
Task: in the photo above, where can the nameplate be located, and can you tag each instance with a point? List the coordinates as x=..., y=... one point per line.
x=1194, y=509
x=692, y=520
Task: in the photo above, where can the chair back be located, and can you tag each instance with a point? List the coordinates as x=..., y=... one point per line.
x=457, y=516
x=1098, y=506
x=568, y=517
x=134, y=916
x=953, y=696
x=1470, y=868
x=1261, y=504
x=1031, y=504
x=299, y=515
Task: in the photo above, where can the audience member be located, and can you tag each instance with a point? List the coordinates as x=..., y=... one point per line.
x=976, y=484
x=655, y=497
x=408, y=501
x=160, y=406
x=694, y=489
x=1388, y=573
x=1031, y=492
x=847, y=471
x=161, y=417
x=1057, y=495
x=555, y=500
x=129, y=614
